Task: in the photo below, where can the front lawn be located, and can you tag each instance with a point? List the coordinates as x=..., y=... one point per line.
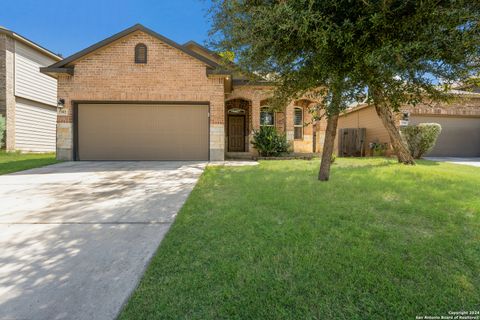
x=379, y=241
x=15, y=161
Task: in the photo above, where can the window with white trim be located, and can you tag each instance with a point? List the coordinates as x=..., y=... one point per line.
x=298, y=123
x=267, y=117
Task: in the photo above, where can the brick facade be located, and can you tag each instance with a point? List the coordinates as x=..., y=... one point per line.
x=304, y=145
x=110, y=74
x=257, y=96
x=461, y=106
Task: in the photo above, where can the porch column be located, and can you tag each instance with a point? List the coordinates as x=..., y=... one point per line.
x=217, y=128
x=308, y=130
x=289, y=121
x=255, y=116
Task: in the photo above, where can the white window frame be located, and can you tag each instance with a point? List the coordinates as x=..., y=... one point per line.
x=298, y=125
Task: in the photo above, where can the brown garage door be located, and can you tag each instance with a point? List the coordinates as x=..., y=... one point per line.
x=142, y=132
x=460, y=137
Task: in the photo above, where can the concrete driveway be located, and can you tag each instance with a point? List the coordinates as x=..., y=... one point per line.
x=76, y=237
x=474, y=162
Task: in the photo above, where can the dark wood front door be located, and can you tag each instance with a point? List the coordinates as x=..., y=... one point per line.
x=236, y=133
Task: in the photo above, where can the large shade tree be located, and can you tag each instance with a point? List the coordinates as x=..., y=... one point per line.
x=337, y=49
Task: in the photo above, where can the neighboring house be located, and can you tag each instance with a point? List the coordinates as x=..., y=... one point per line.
x=28, y=98
x=140, y=96
x=460, y=121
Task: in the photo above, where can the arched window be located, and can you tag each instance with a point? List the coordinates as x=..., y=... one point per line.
x=298, y=123
x=266, y=117
x=140, y=53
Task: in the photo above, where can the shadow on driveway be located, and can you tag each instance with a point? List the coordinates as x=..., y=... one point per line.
x=76, y=237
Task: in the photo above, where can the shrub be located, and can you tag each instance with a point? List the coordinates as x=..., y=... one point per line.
x=378, y=149
x=2, y=130
x=269, y=142
x=421, y=138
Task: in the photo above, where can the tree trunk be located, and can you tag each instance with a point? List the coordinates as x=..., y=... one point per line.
x=388, y=119
x=330, y=133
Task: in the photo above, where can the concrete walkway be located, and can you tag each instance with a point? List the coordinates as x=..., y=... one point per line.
x=474, y=162
x=76, y=237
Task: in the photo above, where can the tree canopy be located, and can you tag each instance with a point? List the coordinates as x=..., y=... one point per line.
x=399, y=51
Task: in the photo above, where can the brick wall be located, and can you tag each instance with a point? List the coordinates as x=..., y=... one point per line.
x=304, y=145
x=459, y=106
x=258, y=96
x=110, y=74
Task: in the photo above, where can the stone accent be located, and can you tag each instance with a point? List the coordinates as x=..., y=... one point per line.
x=64, y=141
x=305, y=145
x=7, y=87
x=217, y=142
x=110, y=74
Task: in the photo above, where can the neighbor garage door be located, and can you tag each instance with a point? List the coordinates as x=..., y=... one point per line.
x=460, y=137
x=142, y=132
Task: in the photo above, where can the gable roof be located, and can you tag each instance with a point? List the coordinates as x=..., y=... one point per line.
x=30, y=43
x=62, y=66
x=207, y=51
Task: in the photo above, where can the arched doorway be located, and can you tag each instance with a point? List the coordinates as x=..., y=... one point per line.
x=238, y=125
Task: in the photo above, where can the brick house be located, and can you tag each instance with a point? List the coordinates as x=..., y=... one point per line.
x=460, y=121
x=140, y=96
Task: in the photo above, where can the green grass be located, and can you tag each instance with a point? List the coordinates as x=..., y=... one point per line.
x=15, y=161
x=379, y=241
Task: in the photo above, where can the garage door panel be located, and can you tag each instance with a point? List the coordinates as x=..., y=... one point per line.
x=142, y=132
x=460, y=136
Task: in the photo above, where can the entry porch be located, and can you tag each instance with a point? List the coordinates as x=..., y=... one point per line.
x=244, y=116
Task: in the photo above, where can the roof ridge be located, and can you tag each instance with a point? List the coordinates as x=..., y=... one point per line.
x=125, y=32
x=29, y=42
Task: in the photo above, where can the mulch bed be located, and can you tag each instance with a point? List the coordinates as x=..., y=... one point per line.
x=305, y=157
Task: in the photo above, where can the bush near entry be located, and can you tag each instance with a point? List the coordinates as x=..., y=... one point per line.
x=421, y=138
x=269, y=142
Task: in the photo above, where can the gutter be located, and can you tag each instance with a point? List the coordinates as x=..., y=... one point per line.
x=54, y=72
